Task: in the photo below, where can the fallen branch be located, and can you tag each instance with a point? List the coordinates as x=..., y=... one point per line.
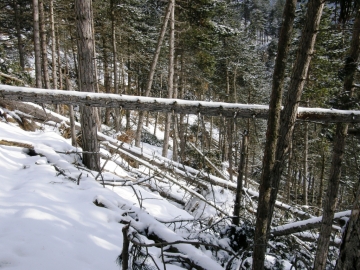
x=12, y=78
x=170, y=178
x=208, y=161
x=304, y=225
x=313, y=238
x=16, y=144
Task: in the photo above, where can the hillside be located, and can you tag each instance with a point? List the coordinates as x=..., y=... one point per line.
x=57, y=214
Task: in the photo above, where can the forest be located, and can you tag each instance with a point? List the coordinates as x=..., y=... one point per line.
x=249, y=107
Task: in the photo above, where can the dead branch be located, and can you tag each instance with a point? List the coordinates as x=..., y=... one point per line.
x=303, y=225
x=16, y=144
x=12, y=78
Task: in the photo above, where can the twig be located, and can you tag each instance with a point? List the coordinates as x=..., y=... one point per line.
x=78, y=180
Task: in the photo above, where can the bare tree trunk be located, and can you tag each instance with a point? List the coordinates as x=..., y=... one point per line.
x=170, y=79
x=289, y=174
x=349, y=257
x=53, y=51
x=241, y=172
x=17, y=9
x=152, y=70
x=339, y=146
x=53, y=46
x=107, y=78
x=230, y=130
x=115, y=69
x=321, y=184
x=59, y=59
x=44, y=60
x=263, y=213
x=71, y=109
x=234, y=85
x=37, y=44
x=97, y=110
x=174, y=116
x=91, y=157
x=306, y=150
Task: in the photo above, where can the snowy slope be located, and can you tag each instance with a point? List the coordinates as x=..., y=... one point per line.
x=49, y=222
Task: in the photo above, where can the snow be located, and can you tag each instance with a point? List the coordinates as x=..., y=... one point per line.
x=49, y=222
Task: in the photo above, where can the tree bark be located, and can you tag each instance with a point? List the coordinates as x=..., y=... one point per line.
x=43, y=45
x=170, y=79
x=305, y=176
x=338, y=152
x=91, y=159
x=17, y=9
x=321, y=184
x=53, y=51
x=53, y=46
x=59, y=59
x=107, y=78
x=349, y=257
x=263, y=214
x=37, y=49
x=241, y=172
x=117, y=119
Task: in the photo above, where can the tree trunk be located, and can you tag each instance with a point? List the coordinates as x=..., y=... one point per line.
x=289, y=174
x=349, y=257
x=297, y=82
x=17, y=9
x=97, y=110
x=321, y=184
x=306, y=150
x=71, y=109
x=59, y=59
x=53, y=51
x=37, y=48
x=230, y=130
x=175, y=119
x=53, y=46
x=107, y=78
x=241, y=173
x=117, y=119
x=152, y=70
x=44, y=59
x=263, y=214
x=339, y=146
x=170, y=80
x=91, y=158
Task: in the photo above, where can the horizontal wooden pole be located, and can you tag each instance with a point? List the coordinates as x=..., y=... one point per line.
x=229, y=110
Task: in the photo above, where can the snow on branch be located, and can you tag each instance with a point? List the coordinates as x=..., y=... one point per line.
x=235, y=110
x=304, y=225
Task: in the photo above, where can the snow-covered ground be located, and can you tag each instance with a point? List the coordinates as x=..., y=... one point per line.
x=50, y=222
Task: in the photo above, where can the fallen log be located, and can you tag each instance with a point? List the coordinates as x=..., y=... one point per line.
x=304, y=225
x=139, y=103
x=313, y=238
